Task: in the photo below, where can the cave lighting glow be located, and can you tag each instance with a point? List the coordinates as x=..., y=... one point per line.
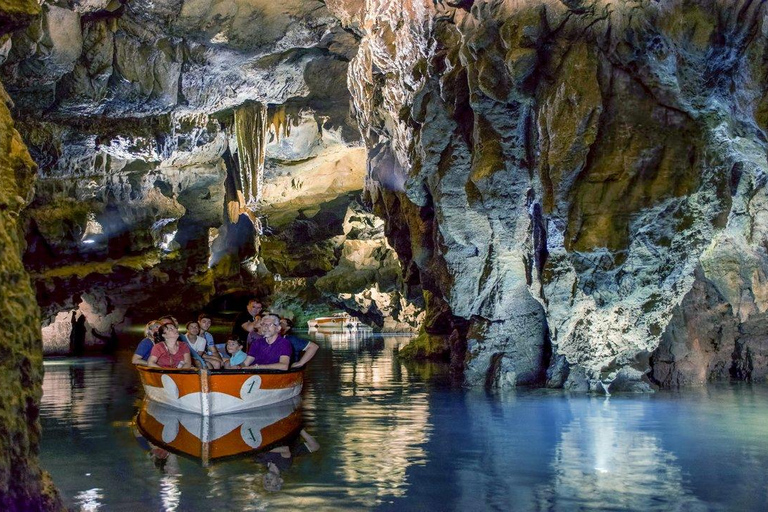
x=89, y=500
x=167, y=241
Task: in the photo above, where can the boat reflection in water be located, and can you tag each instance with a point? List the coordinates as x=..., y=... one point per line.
x=214, y=437
x=342, y=340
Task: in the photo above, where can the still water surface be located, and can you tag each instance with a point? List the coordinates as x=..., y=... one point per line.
x=395, y=436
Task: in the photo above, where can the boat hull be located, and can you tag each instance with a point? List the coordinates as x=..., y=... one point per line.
x=212, y=437
x=334, y=322
x=212, y=392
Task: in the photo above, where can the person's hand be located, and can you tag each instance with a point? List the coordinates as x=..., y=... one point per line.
x=296, y=365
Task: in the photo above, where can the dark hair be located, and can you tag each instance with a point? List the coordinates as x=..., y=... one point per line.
x=288, y=322
x=192, y=322
x=237, y=340
x=171, y=318
x=204, y=315
x=161, y=331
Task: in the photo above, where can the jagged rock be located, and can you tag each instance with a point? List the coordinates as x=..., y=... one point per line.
x=585, y=157
x=23, y=486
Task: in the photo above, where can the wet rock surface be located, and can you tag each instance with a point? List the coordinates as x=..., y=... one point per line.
x=555, y=172
x=23, y=486
x=561, y=183
x=171, y=139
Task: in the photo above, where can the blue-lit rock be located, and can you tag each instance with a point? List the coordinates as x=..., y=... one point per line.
x=561, y=169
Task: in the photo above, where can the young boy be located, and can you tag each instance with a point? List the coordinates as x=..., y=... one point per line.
x=235, y=355
x=213, y=353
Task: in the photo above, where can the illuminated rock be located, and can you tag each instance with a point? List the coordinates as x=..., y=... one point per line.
x=556, y=171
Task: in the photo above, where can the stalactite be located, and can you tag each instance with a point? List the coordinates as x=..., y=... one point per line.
x=279, y=123
x=251, y=133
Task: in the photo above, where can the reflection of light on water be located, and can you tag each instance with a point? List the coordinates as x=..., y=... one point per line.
x=72, y=391
x=349, y=339
x=89, y=500
x=604, y=459
x=169, y=492
x=384, y=434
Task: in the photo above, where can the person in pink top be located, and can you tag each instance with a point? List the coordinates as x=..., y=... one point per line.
x=169, y=351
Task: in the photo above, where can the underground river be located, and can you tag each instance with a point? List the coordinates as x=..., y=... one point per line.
x=397, y=436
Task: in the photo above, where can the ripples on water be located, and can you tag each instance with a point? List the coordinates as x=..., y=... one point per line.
x=396, y=436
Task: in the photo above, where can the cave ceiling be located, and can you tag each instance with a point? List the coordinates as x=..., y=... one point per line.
x=170, y=135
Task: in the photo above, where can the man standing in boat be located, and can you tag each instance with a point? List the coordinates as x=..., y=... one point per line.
x=248, y=320
x=270, y=351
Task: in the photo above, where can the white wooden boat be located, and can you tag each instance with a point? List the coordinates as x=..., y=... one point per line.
x=335, y=321
x=212, y=392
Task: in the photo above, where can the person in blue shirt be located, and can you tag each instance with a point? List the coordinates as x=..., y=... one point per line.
x=303, y=350
x=141, y=355
x=214, y=353
x=235, y=353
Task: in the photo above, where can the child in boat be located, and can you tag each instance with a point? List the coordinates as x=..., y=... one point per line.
x=217, y=351
x=202, y=346
x=235, y=352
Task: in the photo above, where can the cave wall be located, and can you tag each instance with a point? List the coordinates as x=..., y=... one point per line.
x=554, y=173
x=171, y=149
x=23, y=485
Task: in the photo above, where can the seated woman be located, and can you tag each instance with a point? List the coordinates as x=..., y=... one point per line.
x=169, y=351
x=141, y=355
x=202, y=346
x=235, y=354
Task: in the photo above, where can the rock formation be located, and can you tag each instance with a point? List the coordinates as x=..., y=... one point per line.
x=572, y=189
x=23, y=486
x=573, y=181
x=171, y=146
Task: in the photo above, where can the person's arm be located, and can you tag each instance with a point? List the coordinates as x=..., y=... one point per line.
x=310, y=442
x=212, y=352
x=138, y=360
x=152, y=362
x=187, y=360
x=308, y=354
x=248, y=362
x=284, y=364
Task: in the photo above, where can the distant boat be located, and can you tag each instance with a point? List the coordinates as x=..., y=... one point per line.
x=335, y=321
x=212, y=392
x=213, y=437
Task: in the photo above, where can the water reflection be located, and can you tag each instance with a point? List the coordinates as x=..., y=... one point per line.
x=605, y=460
x=213, y=437
x=341, y=339
x=386, y=419
x=394, y=438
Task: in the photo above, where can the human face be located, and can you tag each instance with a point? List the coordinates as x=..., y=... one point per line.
x=283, y=326
x=233, y=346
x=205, y=324
x=171, y=332
x=254, y=307
x=194, y=328
x=152, y=329
x=270, y=326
